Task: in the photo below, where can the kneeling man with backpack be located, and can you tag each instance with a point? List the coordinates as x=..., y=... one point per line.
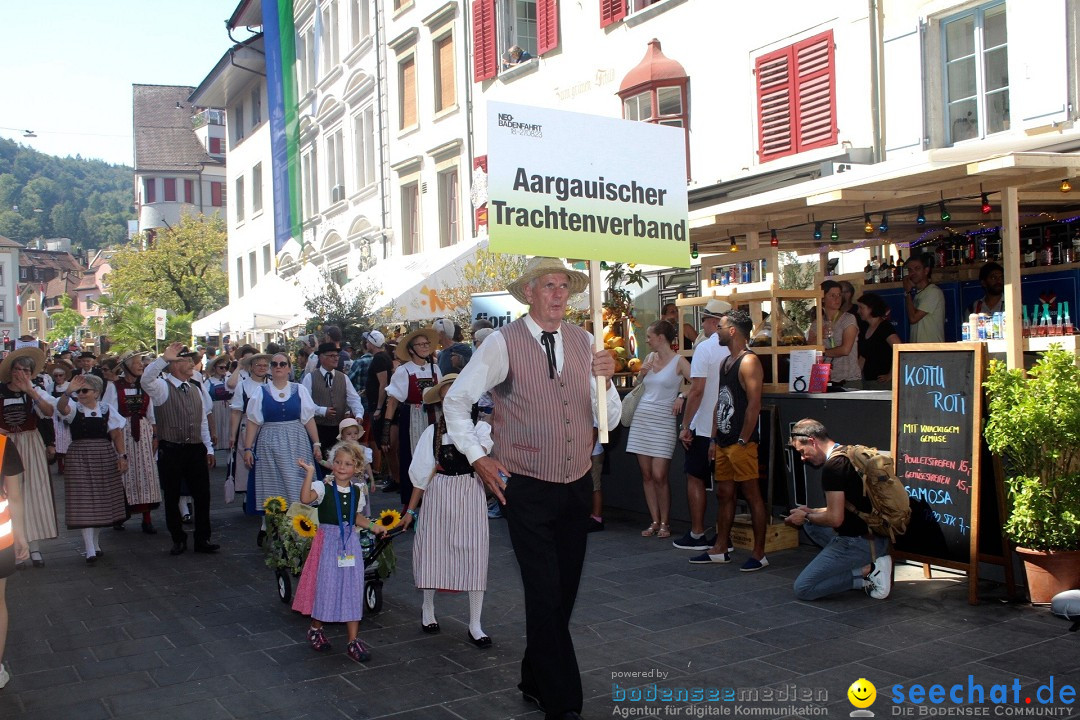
x=866, y=508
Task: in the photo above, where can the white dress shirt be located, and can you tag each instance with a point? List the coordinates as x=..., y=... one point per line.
x=424, y=461
x=488, y=367
x=157, y=387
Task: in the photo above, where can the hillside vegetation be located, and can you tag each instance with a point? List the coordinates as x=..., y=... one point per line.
x=43, y=195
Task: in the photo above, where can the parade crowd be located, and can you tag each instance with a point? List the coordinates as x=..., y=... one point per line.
x=502, y=427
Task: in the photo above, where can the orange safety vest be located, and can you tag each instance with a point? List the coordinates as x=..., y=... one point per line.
x=7, y=532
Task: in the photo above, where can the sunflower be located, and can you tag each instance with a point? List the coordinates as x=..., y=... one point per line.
x=303, y=526
x=389, y=519
x=275, y=505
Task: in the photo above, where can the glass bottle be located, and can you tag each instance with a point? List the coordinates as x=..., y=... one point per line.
x=869, y=271
x=1030, y=256
x=898, y=271
x=1046, y=253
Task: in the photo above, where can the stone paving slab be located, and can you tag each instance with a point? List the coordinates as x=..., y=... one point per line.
x=142, y=634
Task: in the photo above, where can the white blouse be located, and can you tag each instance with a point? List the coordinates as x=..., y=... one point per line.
x=424, y=462
x=308, y=407
x=116, y=420
x=247, y=385
x=398, y=387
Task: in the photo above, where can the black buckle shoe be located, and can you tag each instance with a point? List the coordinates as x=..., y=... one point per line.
x=178, y=548
x=207, y=548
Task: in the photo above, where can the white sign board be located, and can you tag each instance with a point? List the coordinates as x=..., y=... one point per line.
x=498, y=308
x=802, y=363
x=567, y=185
x=160, y=316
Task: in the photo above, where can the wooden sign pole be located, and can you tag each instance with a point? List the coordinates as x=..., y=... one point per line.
x=596, y=306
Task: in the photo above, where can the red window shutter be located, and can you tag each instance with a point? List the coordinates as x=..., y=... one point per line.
x=815, y=92
x=215, y=194
x=215, y=146
x=611, y=11
x=547, y=25
x=775, y=85
x=170, y=189
x=150, y=193
x=485, y=55
x=189, y=192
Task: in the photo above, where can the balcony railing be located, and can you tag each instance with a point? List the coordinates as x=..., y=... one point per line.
x=210, y=116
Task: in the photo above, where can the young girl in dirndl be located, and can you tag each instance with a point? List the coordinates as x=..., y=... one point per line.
x=331, y=585
x=451, y=547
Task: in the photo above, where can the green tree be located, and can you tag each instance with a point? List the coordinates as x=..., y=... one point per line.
x=349, y=310
x=181, y=270
x=488, y=272
x=129, y=325
x=65, y=322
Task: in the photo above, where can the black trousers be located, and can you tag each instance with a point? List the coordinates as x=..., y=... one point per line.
x=328, y=438
x=548, y=524
x=178, y=462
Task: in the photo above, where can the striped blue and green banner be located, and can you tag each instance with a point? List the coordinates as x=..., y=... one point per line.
x=279, y=37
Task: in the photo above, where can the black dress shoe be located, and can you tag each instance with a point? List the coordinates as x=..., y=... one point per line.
x=187, y=519
x=207, y=548
x=430, y=629
x=149, y=529
x=481, y=642
x=91, y=560
x=178, y=548
x=531, y=696
x=38, y=561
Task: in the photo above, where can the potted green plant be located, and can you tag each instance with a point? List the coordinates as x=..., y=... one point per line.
x=1034, y=426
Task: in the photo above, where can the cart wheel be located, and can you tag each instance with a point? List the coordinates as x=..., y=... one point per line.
x=373, y=596
x=284, y=586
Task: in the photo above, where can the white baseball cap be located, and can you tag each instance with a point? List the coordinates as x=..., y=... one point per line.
x=375, y=337
x=445, y=326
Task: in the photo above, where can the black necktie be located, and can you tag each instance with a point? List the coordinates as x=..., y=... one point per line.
x=183, y=387
x=329, y=377
x=547, y=339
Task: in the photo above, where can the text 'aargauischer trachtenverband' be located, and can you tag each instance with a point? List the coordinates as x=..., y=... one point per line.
x=549, y=218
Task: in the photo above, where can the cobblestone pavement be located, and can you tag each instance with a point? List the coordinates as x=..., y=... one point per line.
x=145, y=635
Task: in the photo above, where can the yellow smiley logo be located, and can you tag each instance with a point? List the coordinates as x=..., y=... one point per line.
x=862, y=693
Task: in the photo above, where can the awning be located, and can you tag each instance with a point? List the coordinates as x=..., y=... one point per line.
x=216, y=323
x=410, y=285
x=249, y=314
x=896, y=187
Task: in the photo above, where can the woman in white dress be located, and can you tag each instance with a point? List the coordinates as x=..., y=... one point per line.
x=653, y=430
x=404, y=399
x=251, y=374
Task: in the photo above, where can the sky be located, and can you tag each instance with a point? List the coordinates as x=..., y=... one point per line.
x=67, y=66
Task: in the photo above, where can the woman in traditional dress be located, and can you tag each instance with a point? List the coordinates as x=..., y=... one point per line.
x=653, y=430
x=251, y=374
x=280, y=430
x=20, y=403
x=217, y=374
x=96, y=460
x=451, y=547
x=61, y=433
x=142, y=488
x=405, y=398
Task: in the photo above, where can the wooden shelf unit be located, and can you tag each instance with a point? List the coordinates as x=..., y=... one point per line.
x=754, y=295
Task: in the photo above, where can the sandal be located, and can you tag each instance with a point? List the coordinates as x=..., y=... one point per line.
x=665, y=531
x=651, y=530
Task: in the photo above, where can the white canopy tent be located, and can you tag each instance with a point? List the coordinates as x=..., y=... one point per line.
x=268, y=307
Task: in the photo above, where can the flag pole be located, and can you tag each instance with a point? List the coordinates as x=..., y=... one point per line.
x=596, y=307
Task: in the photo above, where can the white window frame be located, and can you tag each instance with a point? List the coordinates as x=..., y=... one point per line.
x=238, y=199
x=979, y=53
x=240, y=276
x=449, y=204
x=436, y=71
x=363, y=126
x=359, y=21
x=335, y=164
x=256, y=189
x=330, y=45
x=309, y=173
x=411, y=222
x=512, y=30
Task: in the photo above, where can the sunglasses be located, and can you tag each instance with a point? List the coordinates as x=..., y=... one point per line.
x=282, y=363
x=83, y=391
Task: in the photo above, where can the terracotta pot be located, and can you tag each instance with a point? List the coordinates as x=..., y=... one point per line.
x=1049, y=573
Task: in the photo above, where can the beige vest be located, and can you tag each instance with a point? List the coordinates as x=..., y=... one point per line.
x=179, y=418
x=329, y=397
x=543, y=426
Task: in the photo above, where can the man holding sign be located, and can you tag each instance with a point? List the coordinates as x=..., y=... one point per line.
x=540, y=371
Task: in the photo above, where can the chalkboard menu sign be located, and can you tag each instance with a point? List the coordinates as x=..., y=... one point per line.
x=937, y=445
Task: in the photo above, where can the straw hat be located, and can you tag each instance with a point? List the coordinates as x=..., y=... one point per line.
x=31, y=352
x=431, y=395
x=131, y=354
x=348, y=423
x=215, y=361
x=64, y=365
x=250, y=360
x=538, y=267
x=402, y=351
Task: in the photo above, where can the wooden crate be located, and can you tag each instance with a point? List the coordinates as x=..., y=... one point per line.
x=778, y=536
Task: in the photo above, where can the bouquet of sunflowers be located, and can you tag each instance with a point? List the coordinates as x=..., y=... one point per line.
x=288, y=536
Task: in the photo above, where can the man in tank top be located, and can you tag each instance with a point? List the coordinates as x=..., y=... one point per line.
x=735, y=441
